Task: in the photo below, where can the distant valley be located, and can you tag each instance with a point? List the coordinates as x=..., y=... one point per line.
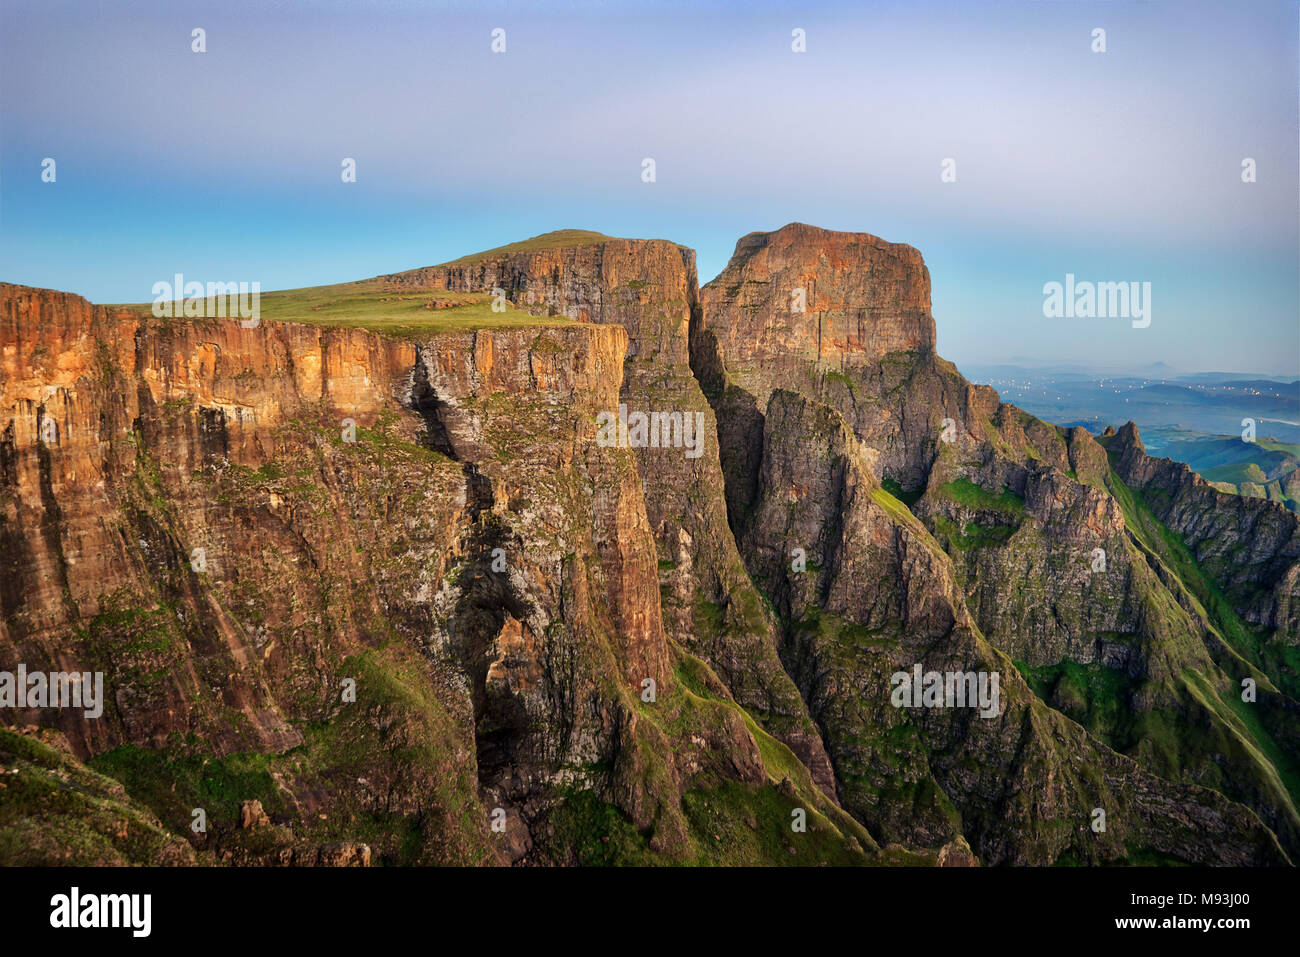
x=1198, y=419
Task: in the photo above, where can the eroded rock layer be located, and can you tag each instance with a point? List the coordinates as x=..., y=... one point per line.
x=365, y=597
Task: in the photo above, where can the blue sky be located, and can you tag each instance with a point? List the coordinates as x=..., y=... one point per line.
x=1115, y=166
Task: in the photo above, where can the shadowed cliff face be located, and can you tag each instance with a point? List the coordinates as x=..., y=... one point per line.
x=709, y=605
x=800, y=308
x=1022, y=511
x=1250, y=549
x=879, y=595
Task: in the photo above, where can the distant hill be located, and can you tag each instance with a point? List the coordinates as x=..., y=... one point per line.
x=1265, y=468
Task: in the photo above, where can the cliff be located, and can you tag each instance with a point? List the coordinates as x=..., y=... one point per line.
x=650, y=288
x=388, y=588
x=880, y=595
x=1022, y=511
x=374, y=586
x=1250, y=547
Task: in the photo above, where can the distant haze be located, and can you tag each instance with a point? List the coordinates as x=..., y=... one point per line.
x=1113, y=167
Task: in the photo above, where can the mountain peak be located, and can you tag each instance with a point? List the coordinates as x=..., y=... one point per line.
x=555, y=239
x=804, y=293
x=1128, y=437
x=802, y=235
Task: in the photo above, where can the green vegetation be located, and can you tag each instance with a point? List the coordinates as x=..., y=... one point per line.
x=378, y=306
x=1265, y=468
x=965, y=492
x=839, y=378
x=55, y=811
x=1093, y=695
x=557, y=239
x=737, y=825
x=589, y=832
x=973, y=535
x=399, y=734
x=1176, y=741
x=174, y=781
x=907, y=498
x=732, y=824
x=1280, y=662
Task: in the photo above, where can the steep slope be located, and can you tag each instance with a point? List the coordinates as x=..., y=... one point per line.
x=389, y=588
x=650, y=288
x=373, y=585
x=1249, y=547
x=1039, y=544
x=54, y=811
x=879, y=596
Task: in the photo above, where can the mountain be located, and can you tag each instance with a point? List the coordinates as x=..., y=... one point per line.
x=1250, y=460
x=1262, y=468
x=394, y=575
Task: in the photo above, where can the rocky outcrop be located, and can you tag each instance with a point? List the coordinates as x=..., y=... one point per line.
x=803, y=300
x=1041, y=539
x=404, y=573
x=875, y=597
x=104, y=415
x=365, y=598
x=1249, y=546
x=650, y=288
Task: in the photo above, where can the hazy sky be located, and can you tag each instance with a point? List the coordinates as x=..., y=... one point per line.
x=1115, y=166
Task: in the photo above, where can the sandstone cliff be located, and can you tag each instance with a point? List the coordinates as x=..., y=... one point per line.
x=1042, y=540
x=391, y=589
x=650, y=288
x=382, y=595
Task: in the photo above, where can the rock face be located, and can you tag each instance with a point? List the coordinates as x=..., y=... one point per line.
x=1059, y=565
x=804, y=295
x=807, y=308
x=406, y=603
x=402, y=572
x=879, y=596
x=709, y=605
x=1247, y=545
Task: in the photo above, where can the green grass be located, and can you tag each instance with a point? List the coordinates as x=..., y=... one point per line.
x=1243, y=719
x=590, y=832
x=965, y=492
x=1092, y=694
x=173, y=782
x=736, y=825
x=1235, y=473
x=1279, y=662
x=55, y=811
x=973, y=535
x=558, y=239
x=907, y=498
x=413, y=750
x=1274, y=445
x=378, y=306
x=1240, y=727
x=1259, y=469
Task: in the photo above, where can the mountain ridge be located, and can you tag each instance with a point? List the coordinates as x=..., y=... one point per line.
x=632, y=565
